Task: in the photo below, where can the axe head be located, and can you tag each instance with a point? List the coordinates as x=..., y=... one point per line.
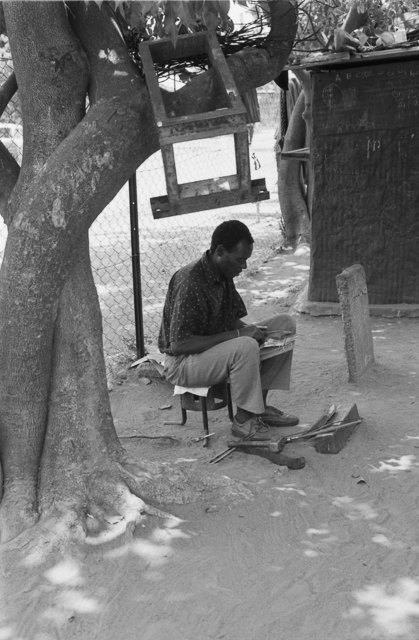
x=275, y=446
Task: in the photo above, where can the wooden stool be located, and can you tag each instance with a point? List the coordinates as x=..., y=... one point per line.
x=218, y=397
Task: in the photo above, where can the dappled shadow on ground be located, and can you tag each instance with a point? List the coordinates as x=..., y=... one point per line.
x=51, y=595
x=324, y=553
x=265, y=285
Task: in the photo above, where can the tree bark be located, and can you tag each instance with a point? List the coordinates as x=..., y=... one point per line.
x=9, y=172
x=54, y=404
x=52, y=60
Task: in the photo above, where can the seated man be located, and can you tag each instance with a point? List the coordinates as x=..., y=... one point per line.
x=206, y=341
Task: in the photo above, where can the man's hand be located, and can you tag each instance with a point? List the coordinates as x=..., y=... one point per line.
x=254, y=331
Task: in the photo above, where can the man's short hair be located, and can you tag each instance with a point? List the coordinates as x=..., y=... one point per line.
x=229, y=234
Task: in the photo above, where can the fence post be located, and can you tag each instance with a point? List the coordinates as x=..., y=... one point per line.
x=136, y=267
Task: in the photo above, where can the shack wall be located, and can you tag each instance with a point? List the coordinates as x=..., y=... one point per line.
x=365, y=161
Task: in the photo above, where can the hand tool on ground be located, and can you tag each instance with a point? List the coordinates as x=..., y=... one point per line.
x=324, y=418
x=319, y=424
x=275, y=446
x=331, y=428
x=270, y=450
x=208, y=435
x=277, y=458
x=227, y=452
x=328, y=428
x=333, y=437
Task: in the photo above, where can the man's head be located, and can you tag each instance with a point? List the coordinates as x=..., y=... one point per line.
x=231, y=247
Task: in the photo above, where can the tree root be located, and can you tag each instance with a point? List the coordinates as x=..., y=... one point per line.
x=103, y=507
x=17, y=512
x=96, y=507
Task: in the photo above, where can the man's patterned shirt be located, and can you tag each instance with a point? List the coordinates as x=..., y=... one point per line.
x=199, y=302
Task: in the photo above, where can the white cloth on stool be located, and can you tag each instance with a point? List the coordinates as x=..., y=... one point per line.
x=197, y=391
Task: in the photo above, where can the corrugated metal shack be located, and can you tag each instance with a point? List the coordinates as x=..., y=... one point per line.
x=364, y=155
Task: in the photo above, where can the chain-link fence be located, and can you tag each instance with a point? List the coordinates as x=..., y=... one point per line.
x=169, y=243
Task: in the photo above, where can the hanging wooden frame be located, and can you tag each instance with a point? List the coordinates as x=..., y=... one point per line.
x=212, y=193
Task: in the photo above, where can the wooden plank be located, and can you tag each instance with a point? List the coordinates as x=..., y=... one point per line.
x=241, y=145
x=152, y=84
x=196, y=130
x=387, y=55
x=188, y=45
x=393, y=54
x=218, y=61
x=302, y=154
x=326, y=59
x=334, y=442
x=220, y=114
x=170, y=172
x=162, y=208
x=173, y=137
x=330, y=58
x=211, y=185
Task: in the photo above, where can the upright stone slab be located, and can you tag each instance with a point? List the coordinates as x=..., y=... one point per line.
x=353, y=297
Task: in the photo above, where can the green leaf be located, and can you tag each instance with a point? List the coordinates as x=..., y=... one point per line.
x=223, y=7
x=148, y=6
x=134, y=14
x=211, y=21
x=185, y=14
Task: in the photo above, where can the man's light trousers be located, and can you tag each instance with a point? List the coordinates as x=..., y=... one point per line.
x=239, y=360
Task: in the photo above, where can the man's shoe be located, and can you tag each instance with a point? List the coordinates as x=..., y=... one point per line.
x=277, y=418
x=254, y=426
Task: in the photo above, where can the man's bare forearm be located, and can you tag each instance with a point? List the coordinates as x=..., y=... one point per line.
x=198, y=344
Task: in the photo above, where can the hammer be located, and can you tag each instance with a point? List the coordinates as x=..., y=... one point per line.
x=274, y=446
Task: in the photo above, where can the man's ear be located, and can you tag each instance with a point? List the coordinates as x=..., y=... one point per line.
x=219, y=251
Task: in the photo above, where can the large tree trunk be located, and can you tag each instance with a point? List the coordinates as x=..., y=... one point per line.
x=54, y=405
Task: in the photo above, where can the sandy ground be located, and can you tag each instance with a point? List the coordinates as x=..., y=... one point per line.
x=329, y=552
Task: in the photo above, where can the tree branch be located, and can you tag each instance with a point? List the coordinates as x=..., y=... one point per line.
x=9, y=168
x=52, y=73
x=119, y=133
x=9, y=174
x=7, y=91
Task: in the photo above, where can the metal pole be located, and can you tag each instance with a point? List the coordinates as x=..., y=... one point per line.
x=136, y=267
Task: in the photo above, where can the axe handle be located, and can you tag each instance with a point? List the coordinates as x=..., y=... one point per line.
x=245, y=443
x=227, y=452
x=333, y=427
x=273, y=446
